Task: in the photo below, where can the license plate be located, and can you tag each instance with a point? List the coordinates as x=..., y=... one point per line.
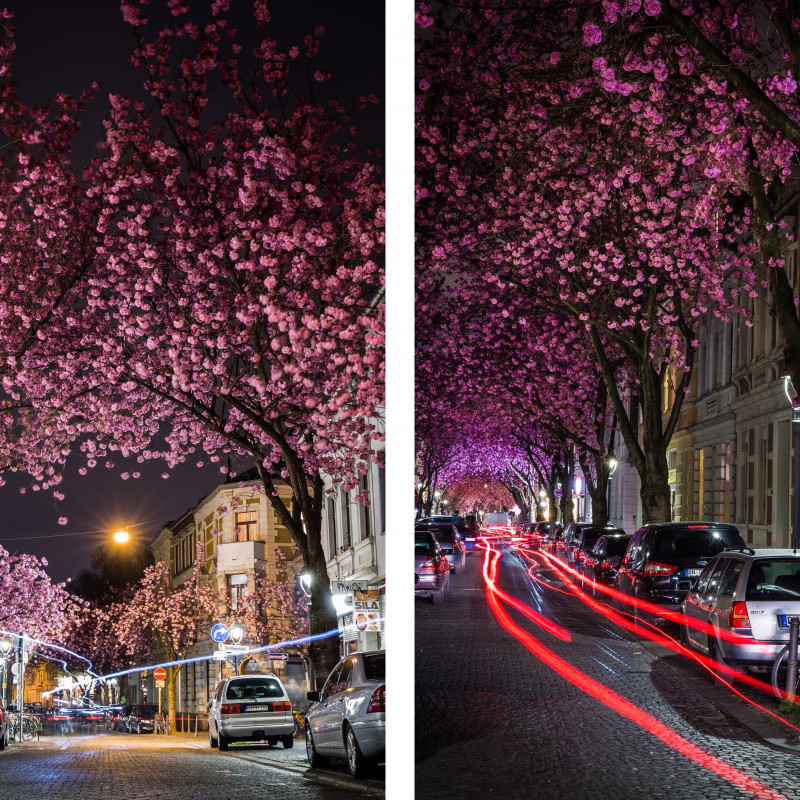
x=470, y=539
x=692, y=573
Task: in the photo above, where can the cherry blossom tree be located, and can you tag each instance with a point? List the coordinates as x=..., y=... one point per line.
x=171, y=618
x=235, y=300
x=546, y=179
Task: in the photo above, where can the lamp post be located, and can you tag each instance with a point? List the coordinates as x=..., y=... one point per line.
x=795, y=403
x=6, y=645
x=612, y=463
x=236, y=634
x=305, y=585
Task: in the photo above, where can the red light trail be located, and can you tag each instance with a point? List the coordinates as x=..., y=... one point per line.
x=609, y=697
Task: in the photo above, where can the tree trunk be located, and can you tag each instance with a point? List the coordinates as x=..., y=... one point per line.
x=172, y=676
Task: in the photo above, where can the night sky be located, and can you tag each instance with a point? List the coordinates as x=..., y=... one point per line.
x=64, y=46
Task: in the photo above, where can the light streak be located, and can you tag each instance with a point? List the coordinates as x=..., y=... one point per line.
x=613, y=700
x=316, y=637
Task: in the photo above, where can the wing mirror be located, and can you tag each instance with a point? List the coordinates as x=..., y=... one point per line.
x=314, y=697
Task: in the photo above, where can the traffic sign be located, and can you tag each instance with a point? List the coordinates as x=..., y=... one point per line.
x=235, y=648
x=160, y=684
x=220, y=632
x=219, y=655
x=160, y=674
x=278, y=656
x=557, y=492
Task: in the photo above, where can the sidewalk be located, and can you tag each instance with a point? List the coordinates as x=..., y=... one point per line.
x=736, y=710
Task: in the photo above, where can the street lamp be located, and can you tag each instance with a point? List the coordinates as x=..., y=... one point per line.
x=237, y=634
x=795, y=403
x=121, y=536
x=6, y=645
x=612, y=464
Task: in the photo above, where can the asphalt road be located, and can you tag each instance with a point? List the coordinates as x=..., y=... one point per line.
x=105, y=765
x=493, y=719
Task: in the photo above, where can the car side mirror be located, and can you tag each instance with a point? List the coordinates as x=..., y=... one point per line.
x=314, y=697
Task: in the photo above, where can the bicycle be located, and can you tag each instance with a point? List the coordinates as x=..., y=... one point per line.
x=161, y=724
x=30, y=729
x=299, y=723
x=779, y=670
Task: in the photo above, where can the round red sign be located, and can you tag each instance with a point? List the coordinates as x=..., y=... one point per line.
x=160, y=674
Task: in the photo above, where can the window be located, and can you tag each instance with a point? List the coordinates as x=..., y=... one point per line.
x=347, y=538
x=330, y=506
x=246, y=525
x=237, y=589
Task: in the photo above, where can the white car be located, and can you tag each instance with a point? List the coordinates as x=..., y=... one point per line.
x=250, y=708
x=348, y=719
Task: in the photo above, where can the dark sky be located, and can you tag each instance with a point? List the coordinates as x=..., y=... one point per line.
x=64, y=46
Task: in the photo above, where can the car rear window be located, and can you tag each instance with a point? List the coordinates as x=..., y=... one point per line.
x=616, y=547
x=774, y=579
x=421, y=542
x=253, y=687
x=694, y=543
x=375, y=667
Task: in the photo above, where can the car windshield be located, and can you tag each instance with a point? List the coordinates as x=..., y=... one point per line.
x=253, y=687
x=774, y=579
x=694, y=543
x=375, y=667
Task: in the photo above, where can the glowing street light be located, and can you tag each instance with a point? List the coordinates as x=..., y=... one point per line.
x=121, y=536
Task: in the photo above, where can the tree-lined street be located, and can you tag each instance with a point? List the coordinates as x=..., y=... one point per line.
x=493, y=719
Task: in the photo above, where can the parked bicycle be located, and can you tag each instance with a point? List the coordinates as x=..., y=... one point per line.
x=299, y=723
x=29, y=724
x=161, y=724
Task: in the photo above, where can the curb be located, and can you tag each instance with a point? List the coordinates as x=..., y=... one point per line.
x=737, y=711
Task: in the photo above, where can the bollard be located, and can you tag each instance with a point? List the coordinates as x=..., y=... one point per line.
x=195, y=724
x=791, y=661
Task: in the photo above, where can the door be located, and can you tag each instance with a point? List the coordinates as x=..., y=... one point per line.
x=323, y=716
x=691, y=607
x=337, y=706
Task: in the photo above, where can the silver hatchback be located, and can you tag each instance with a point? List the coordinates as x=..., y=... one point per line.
x=747, y=592
x=250, y=708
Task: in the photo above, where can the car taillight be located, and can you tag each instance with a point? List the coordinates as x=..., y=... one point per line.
x=581, y=555
x=656, y=568
x=281, y=706
x=231, y=708
x=378, y=700
x=428, y=565
x=738, y=617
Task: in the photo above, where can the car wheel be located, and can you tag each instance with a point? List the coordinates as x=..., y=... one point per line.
x=357, y=764
x=211, y=740
x=288, y=741
x=4, y=740
x=222, y=742
x=315, y=760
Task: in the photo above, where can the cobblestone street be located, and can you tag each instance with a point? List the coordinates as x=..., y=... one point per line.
x=105, y=765
x=492, y=719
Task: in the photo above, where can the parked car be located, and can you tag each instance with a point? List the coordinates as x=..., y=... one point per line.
x=748, y=592
x=568, y=542
x=4, y=730
x=664, y=559
x=604, y=558
x=142, y=718
x=454, y=519
x=112, y=718
x=471, y=532
x=451, y=542
x=540, y=532
x=587, y=537
x=431, y=567
x=348, y=719
x=250, y=708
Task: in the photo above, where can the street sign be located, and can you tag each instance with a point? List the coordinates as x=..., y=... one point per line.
x=278, y=656
x=557, y=492
x=160, y=684
x=219, y=655
x=220, y=632
x=160, y=674
x=235, y=648
x=348, y=587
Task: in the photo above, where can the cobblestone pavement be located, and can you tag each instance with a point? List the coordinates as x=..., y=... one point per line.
x=492, y=719
x=105, y=765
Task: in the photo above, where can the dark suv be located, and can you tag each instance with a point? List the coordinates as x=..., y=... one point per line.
x=664, y=559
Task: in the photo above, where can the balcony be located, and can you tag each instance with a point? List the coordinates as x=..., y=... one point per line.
x=239, y=556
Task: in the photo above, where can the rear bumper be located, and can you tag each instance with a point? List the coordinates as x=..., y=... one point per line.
x=254, y=727
x=371, y=736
